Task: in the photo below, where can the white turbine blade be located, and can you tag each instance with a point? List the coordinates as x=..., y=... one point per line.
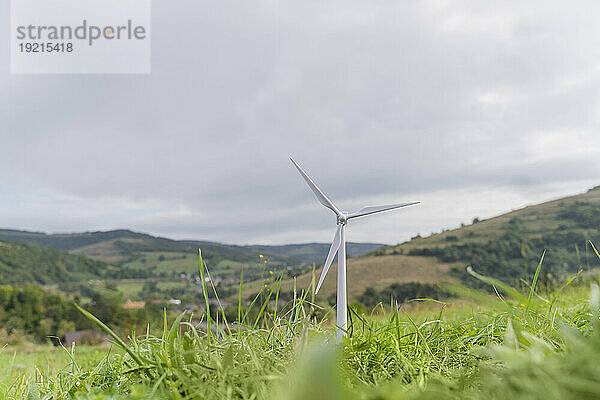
x=376, y=209
x=320, y=195
x=335, y=246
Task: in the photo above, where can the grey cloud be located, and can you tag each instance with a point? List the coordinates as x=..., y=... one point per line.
x=378, y=100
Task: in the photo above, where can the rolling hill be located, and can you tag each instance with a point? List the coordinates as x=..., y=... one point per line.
x=313, y=252
x=27, y=263
x=122, y=246
x=150, y=253
x=507, y=247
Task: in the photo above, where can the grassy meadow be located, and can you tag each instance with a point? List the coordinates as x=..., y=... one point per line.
x=21, y=362
x=532, y=344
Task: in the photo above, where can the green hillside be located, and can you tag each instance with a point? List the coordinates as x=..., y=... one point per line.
x=68, y=241
x=314, y=252
x=125, y=247
x=27, y=263
x=156, y=263
x=507, y=247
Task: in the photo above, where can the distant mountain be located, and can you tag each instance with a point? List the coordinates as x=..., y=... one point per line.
x=28, y=263
x=68, y=241
x=125, y=246
x=314, y=252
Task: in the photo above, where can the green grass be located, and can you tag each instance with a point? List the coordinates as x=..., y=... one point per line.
x=131, y=289
x=19, y=365
x=162, y=260
x=175, y=262
x=25, y=263
x=535, y=344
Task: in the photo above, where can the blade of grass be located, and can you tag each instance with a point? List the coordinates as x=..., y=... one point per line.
x=495, y=282
x=173, y=334
x=252, y=304
x=121, y=344
x=205, y=292
x=312, y=285
x=277, y=297
x=262, y=309
x=218, y=300
x=239, y=318
x=595, y=251
x=534, y=283
x=418, y=333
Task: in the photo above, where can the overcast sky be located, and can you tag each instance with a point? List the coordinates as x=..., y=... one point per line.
x=474, y=108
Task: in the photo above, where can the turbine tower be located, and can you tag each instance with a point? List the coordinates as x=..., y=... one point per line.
x=339, y=246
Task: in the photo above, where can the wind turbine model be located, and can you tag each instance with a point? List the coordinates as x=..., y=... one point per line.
x=339, y=246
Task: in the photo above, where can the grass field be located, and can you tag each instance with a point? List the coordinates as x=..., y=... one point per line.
x=372, y=272
x=176, y=262
x=530, y=345
x=20, y=364
x=105, y=251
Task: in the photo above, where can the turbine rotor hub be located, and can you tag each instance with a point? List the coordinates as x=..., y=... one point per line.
x=342, y=219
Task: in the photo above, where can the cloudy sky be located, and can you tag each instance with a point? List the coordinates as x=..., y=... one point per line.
x=474, y=108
